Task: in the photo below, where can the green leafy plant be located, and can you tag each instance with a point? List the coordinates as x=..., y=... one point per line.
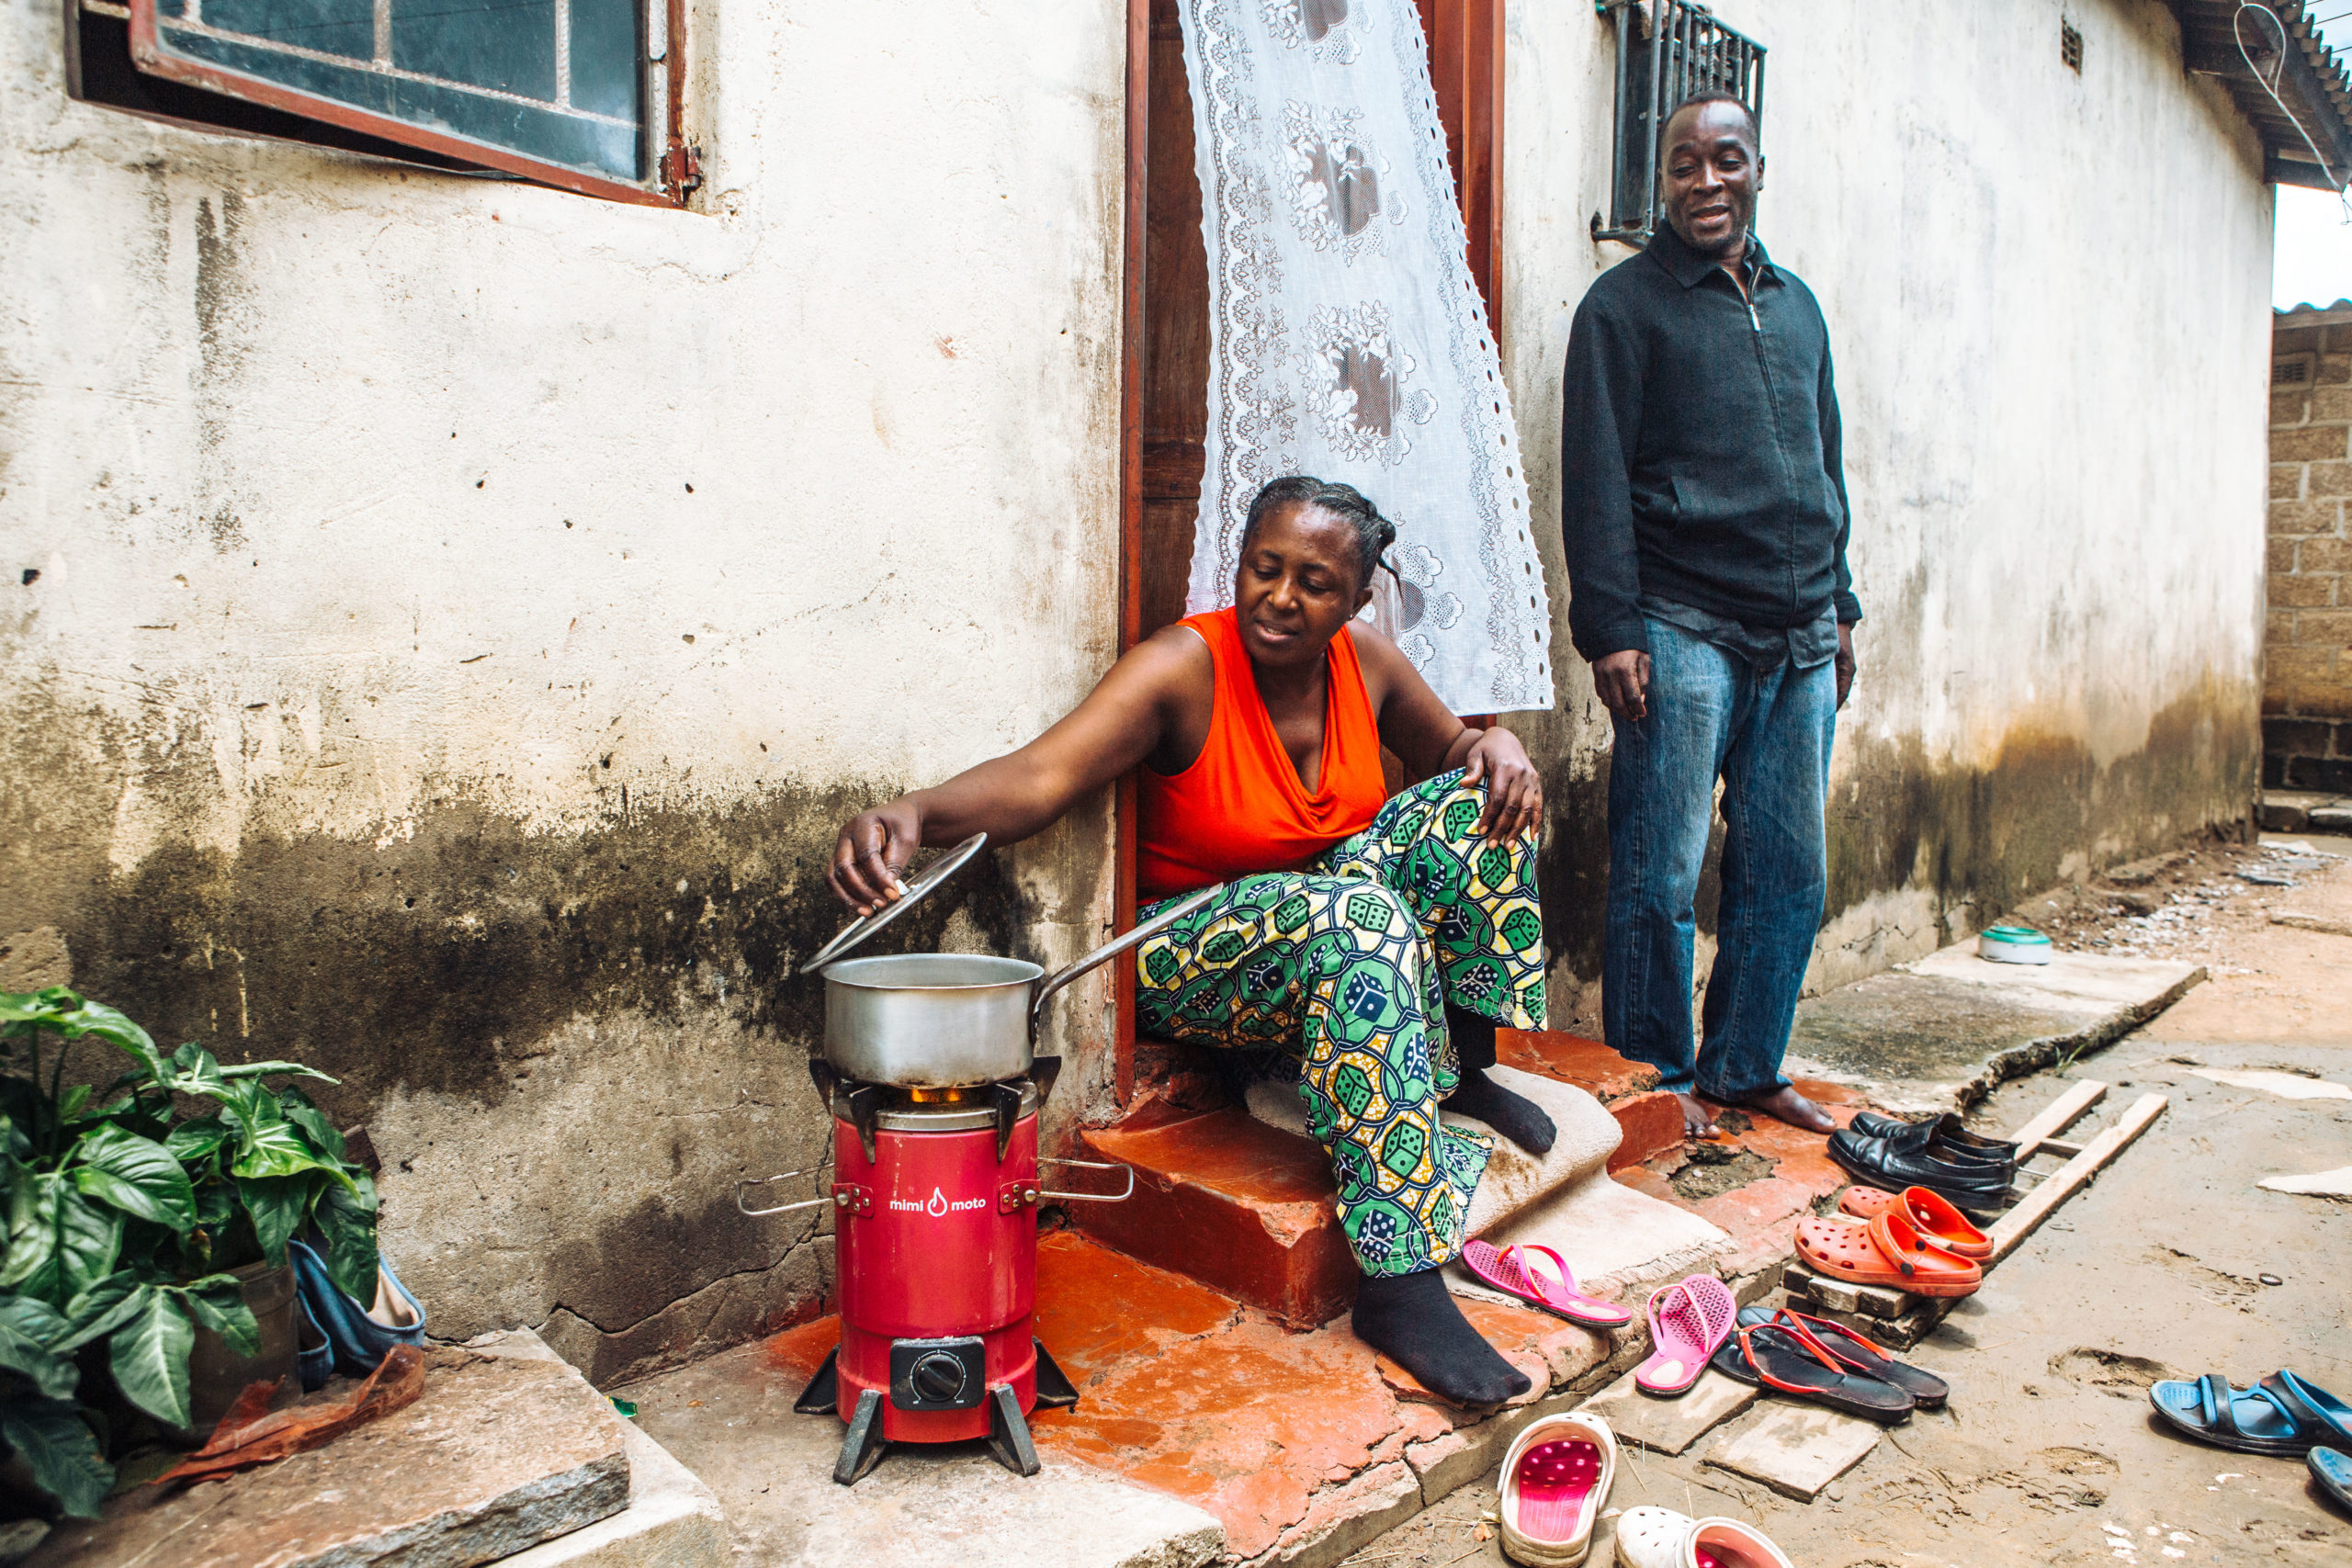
x=124, y=1216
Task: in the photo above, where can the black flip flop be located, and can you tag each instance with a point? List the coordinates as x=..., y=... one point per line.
x=1789, y=1361
x=2268, y=1418
x=1854, y=1352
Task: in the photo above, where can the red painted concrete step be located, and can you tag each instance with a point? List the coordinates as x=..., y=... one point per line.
x=1241, y=1206
x=1224, y=1199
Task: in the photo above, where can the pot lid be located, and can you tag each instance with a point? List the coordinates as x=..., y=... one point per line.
x=864, y=926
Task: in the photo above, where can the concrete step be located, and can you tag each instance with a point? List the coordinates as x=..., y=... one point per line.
x=1240, y=1200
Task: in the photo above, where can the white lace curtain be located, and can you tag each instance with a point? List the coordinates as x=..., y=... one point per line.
x=1346, y=337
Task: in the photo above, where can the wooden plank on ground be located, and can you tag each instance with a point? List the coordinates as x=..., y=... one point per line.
x=2071, y=1178
x=2058, y=1115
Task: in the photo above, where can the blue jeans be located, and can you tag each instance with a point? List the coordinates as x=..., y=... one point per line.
x=1767, y=734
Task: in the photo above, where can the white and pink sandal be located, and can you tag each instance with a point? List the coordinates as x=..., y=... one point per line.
x=1689, y=1320
x=1660, y=1538
x=1555, y=1479
x=1537, y=1275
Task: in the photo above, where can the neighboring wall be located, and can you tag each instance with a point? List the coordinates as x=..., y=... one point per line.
x=2053, y=369
x=2307, y=652
x=444, y=621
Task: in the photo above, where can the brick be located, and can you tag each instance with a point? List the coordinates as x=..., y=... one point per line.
x=2293, y=518
x=2280, y=556
x=2286, y=482
x=2333, y=370
x=2291, y=407
x=2323, y=479
x=2285, y=340
x=2327, y=700
x=2274, y=776
x=2293, y=666
x=2324, y=628
x=2331, y=776
x=2312, y=443
x=2329, y=403
x=2324, y=553
x=2279, y=628
x=2300, y=592
x=2297, y=736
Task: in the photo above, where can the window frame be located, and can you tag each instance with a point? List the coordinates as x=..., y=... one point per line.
x=674, y=166
x=1684, y=49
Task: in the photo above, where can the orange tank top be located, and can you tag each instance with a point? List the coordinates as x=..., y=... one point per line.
x=1240, y=808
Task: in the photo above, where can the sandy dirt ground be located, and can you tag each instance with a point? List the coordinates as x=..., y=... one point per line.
x=2049, y=1454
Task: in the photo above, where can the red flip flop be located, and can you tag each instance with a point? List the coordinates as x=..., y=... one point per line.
x=1537, y=1275
x=1887, y=1251
x=1936, y=1218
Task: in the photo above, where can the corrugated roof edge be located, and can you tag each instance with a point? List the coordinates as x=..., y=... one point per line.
x=2207, y=28
x=2344, y=305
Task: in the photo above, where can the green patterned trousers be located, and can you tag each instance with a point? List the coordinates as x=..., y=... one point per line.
x=1347, y=964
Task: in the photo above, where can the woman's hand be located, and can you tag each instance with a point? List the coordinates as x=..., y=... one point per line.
x=1514, y=789
x=875, y=848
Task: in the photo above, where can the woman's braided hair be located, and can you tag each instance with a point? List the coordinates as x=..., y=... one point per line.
x=1374, y=532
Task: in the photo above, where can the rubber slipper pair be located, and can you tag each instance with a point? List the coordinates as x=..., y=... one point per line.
x=1934, y=1216
x=1689, y=1322
x=1855, y=1353
x=1660, y=1538
x=1786, y=1357
x=358, y=1336
x=2283, y=1416
x=1555, y=1479
x=2332, y=1471
x=1888, y=1250
x=1538, y=1276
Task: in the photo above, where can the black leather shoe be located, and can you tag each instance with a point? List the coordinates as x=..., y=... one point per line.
x=1877, y=1162
x=1945, y=1134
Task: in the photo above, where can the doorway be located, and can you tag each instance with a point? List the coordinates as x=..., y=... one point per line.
x=1164, y=423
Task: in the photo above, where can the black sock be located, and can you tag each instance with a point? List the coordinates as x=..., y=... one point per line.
x=1515, y=1116
x=1413, y=1320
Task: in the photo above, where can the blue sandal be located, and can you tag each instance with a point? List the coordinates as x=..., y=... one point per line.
x=361, y=1335
x=2332, y=1471
x=2283, y=1415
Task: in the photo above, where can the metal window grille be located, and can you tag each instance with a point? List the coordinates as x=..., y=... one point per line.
x=1667, y=50
x=2070, y=46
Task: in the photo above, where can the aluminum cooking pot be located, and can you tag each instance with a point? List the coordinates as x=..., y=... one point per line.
x=944, y=1020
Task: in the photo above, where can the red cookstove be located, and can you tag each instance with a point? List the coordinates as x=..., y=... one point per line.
x=934, y=1196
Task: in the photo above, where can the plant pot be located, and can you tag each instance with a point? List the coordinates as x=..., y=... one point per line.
x=216, y=1374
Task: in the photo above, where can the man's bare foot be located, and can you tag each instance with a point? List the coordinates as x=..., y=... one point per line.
x=1785, y=1104
x=1697, y=1122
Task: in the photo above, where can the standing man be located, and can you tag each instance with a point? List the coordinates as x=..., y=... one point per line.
x=1705, y=507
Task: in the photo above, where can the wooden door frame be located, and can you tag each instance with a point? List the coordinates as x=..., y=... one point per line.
x=1465, y=40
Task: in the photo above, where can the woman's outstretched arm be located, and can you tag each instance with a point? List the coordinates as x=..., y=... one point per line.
x=1010, y=797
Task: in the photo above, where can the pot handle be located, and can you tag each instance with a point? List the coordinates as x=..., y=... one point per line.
x=1112, y=949
x=772, y=1180
x=1089, y=1197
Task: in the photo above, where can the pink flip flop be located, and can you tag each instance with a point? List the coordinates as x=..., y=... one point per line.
x=1535, y=1274
x=1689, y=1320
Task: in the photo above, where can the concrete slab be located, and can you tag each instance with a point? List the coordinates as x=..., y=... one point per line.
x=506, y=1447
x=730, y=1420
x=1940, y=1034
x=1798, y=1449
x=1670, y=1426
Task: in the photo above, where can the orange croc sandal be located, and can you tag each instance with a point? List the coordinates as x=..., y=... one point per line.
x=1888, y=1251
x=1938, y=1220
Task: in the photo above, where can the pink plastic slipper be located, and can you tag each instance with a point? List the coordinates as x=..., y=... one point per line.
x=1536, y=1274
x=1689, y=1320
x=1554, y=1482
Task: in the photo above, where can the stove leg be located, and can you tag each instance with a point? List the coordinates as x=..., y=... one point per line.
x=863, y=1447
x=823, y=1396
x=1009, y=1441
x=1053, y=1390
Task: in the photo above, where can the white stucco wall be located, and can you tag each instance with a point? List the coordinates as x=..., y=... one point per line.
x=2048, y=297
x=375, y=508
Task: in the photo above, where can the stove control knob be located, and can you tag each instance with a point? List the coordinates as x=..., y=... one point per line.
x=937, y=1378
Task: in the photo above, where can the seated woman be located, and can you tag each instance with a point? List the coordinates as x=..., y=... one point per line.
x=1382, y=940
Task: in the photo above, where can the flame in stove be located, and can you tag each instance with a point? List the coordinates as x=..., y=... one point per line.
x=937, y=1207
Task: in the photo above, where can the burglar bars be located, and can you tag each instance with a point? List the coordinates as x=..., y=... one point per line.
x=1667, y=50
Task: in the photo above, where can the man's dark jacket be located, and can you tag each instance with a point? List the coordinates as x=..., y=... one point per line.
x=1699, y=450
